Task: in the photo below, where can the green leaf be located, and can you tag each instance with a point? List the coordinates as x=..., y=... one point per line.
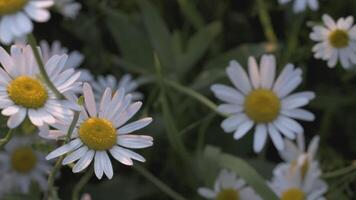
x=159, y=34
x=131, y=41
x=191, y=13
x=242, y=169
x=197, y=46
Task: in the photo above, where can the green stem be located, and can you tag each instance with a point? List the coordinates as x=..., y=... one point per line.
x=6, y=139
x=46, y=79
x=266, y=22
x=82, y=182
x=51, y=188
x=340, y=172
x=158, y=183
x=195, y=95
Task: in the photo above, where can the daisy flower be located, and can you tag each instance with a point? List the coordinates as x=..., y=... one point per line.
x=296, y=155
x=229, y=187
x=101, y=130
x=16, y=16
x=75, y=58
x=68, y=8
x=23, y=93
x=110, y=81
x=265, y=102
x=20, y=165
x=291, y=185
x=336, y=41
x=301, y=5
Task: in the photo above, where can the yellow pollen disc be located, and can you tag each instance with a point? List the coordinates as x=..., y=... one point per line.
x=23, y=160
x=11, y=6
x=339, y=38
x=262, y=106
x=228, y=194
x=293, y=194
x=98, y=134
x=27, y=92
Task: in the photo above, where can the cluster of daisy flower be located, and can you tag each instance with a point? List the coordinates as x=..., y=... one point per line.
x=92, y=126
x=91, y=114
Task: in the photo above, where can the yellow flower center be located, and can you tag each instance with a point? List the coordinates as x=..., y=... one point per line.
x=11, y=6
x=98, y=134
x=339, y=38
x=228, y=194
x=262, y=106
x=293, y=194
x=27, y=92
x=23, y=160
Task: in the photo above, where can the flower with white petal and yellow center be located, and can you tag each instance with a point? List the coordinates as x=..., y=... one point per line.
x=16, y=16
x=102, y=131
x=20, y=166
x=263, y=100
x=23, y=93
x=298, y=178
x=302, y=5
x=229, y=187
x=75, y=58
x=127, y=82
x=336, y=41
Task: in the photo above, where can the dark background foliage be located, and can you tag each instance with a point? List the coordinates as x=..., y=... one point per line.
x=194, y=40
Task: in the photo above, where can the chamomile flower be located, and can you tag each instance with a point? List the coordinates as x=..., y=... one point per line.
x=301, y=5
x=68, y=8
x=336, y=41
x=101, y=130
x=127, y=82
x=24, y=93
x=265, y=102
x=229, y=187
x=296, y=154
x=75, y=58
x=292, y=185
x=16, y=16
x=20, y=166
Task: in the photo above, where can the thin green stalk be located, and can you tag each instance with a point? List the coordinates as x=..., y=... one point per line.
x=340, y=172
x=82, y=182
x=6, y=139
x=46, y=79
x=195, y=95
x=266, y=22
x=158, y=183
x=51, y=188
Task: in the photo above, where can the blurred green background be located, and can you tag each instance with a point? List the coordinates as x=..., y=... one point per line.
x=194, y=40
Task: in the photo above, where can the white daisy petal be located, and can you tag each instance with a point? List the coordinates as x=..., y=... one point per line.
x=129, y=128
x=84, y=161
x=243, y=129
x=73, y=145
x=260, y=137
x=239, y=77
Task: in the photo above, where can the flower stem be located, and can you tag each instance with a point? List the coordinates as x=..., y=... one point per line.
x=52, y=193
x=195, y=95
x=47, y=80
x=82, y=182
x=340, y=172
x=158, y=183
x=6, y=139
x=266, y=22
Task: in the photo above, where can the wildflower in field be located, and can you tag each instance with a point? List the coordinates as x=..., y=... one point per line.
x=290, y=183
x=229, y=187
x=336, y=41
x=24, y=93
x=101, y=130
x=301, y=5
x=20, y=166
x=16, y=16
x=265, y=102
x=127, y=82
x=75, y=58
x=296, y=153
x=68, y=8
